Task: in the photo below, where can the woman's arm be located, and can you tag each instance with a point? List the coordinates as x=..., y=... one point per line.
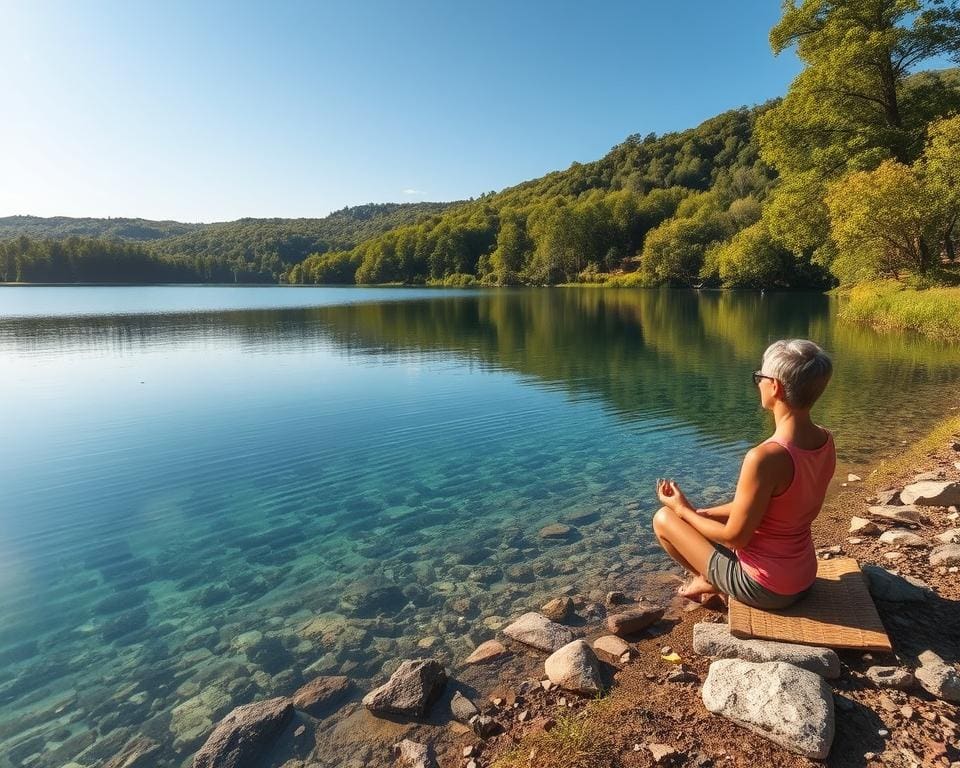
x=761, y=470
x=715, y=513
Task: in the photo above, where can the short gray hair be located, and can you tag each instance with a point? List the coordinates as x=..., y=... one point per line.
x=801, y=366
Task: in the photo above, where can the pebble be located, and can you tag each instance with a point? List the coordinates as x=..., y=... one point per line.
x=469, y=751
x=883, y=733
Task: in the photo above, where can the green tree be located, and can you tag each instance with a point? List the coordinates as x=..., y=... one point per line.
x=850, y=108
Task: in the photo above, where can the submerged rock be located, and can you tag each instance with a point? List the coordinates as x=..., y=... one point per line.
x=538, y=631
x=558, y=609
x=487, y=651
x=410, y=689
x=245, y=734
x=574, y=667
x=792, y=707
x=556, y=531
x=716, y=640
x=318, y=697
x=137, y=753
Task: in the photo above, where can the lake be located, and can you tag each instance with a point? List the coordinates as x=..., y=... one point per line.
x=212, y=494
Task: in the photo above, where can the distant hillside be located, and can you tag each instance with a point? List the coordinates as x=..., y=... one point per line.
x=136, y=230
x=63, y=249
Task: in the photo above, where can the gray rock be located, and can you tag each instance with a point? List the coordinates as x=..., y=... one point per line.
x=538, y=631
x=792, y=707
x=863, y=526
x=616, y=598
x=891, y=677
x=412, y=754
x=904, y=515
x=462, y=708
x=635, y=620
x=410, y=689
x=245, y=734
x=484, y=726
x=558, y=609
x=716, y=640
x=947, y=554
x=894, y=589
x=931, y=493
x=951, y=536
x=937, y=677
x=902, y=538
x=574, y=668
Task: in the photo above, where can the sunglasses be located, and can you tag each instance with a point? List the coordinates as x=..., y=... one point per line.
x=757, y=377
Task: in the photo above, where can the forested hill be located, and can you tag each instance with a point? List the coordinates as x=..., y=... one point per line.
x=592, y=217
x=62, y=249
x=113, y=229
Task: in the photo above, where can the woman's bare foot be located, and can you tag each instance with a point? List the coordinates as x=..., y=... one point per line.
x=698, y=589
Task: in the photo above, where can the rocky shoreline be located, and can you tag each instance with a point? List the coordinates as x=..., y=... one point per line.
x=630, y=677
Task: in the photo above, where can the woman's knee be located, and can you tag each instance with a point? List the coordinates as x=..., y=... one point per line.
x=661, y=521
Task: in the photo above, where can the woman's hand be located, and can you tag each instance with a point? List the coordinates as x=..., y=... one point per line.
x=670, y=495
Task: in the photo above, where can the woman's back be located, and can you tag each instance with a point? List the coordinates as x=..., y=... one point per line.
x=780, y=554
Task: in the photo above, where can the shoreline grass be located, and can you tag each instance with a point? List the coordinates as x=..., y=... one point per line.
x=892, y=306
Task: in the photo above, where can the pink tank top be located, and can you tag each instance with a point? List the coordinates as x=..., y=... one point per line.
x=780, y=554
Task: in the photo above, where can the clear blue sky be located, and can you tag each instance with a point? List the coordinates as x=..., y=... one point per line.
x=204, y=111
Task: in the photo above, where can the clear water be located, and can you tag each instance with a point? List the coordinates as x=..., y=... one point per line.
x=212, y=494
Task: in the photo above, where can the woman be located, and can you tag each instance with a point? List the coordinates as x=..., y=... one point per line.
x=758, y=547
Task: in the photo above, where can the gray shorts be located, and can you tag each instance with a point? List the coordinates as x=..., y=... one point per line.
x=726, y=573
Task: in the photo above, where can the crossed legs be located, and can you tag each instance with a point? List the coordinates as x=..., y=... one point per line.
x=687, y=546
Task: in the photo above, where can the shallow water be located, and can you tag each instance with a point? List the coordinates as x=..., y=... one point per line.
x=211, y=494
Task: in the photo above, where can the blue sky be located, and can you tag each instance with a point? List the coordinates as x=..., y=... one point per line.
x=206, y=111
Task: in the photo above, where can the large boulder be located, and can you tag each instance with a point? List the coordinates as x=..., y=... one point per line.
x=634, y=620
x=539, y=632
x=245, y=734
x=932, y=493
x=319, y=696
x=788, y=705
x=892, y=588
x=410, y=690
x=716, y=640
x=937, y=677
x=574, y=668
